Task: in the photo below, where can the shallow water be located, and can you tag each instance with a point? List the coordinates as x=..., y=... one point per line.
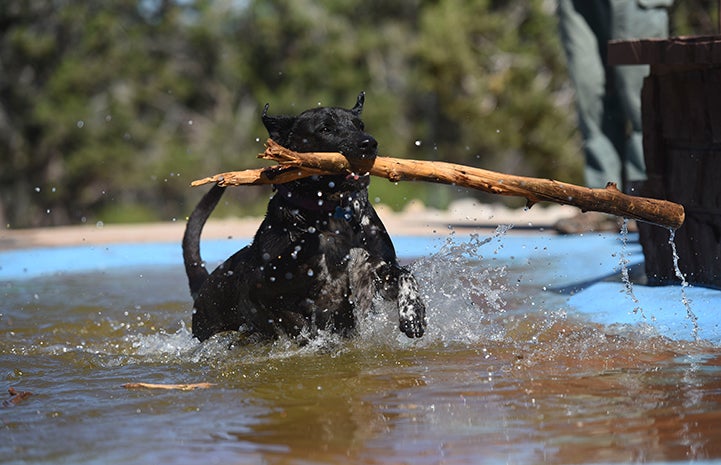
x=509, y=372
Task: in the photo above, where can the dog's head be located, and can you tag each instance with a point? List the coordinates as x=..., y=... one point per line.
x=324, y=129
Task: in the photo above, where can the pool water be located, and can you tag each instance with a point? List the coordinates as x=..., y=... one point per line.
x=535, y=353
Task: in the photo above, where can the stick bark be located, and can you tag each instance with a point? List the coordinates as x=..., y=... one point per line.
x=293, y=165
x=177, y=387
x=16, y=397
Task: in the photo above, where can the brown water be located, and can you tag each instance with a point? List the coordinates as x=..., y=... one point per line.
x=507, y=374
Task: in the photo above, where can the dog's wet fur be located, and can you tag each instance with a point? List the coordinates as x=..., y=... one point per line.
x=321, y=256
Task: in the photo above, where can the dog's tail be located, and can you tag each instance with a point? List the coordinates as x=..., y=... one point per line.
x=194, y=266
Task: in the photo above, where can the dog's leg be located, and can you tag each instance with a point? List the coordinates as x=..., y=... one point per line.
x=222, y=303
x=398, y=284
x=395, y=282
x=411, y=309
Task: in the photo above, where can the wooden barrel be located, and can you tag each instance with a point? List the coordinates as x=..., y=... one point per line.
x=681, y=111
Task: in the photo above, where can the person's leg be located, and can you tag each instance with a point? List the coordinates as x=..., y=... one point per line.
x=632, y=20
x=585, y=27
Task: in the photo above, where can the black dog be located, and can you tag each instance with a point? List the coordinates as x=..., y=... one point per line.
x=320, y=257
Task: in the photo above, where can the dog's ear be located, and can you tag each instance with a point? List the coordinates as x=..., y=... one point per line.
x=358, y=108
x=278, y=127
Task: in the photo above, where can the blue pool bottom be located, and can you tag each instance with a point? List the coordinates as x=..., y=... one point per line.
x=578, y=265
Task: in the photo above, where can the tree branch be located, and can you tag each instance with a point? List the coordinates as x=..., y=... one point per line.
x=294, y=165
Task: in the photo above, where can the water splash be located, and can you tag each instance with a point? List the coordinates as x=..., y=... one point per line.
x=465, y=299
x=164, y=343
x=460, y=295
x=623, y=263
x=684, y=284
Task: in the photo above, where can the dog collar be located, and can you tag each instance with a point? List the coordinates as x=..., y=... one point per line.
x=306, y=202
x=337, y=205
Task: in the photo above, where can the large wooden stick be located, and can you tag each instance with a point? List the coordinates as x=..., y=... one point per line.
x=294, y=165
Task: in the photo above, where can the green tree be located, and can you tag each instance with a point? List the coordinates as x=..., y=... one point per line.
x=695, y=17
x=108, y=110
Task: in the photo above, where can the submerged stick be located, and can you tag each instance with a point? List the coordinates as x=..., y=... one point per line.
x=15, y=397
x=178, y=387
x=294, y=165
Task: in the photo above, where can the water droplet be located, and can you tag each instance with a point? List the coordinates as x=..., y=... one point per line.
x=418, y=143
x=80, y=124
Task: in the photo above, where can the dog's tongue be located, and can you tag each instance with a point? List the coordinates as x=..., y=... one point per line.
x=356, y=176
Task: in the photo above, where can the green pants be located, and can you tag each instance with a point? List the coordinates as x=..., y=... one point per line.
x=608, y=99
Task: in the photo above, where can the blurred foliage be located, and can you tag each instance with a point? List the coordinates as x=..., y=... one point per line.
x=109, y=109
x=695, y=17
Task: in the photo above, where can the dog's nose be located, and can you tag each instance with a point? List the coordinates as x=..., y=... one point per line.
x=369, y=145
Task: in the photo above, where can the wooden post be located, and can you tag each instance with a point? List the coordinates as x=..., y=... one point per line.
x=681, y=112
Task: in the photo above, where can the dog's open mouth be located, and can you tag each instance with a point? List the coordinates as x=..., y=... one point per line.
x=356, y=177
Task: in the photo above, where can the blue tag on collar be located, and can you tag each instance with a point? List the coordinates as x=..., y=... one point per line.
x=343, y=213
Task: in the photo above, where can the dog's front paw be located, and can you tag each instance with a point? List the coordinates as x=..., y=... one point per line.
x=411, y=309
x=413, y=321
